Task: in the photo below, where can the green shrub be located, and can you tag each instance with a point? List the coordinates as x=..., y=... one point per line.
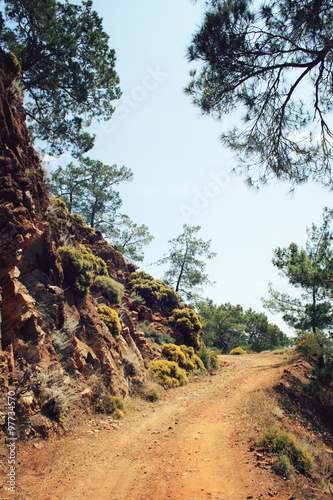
x=13, y=64
x=59, y=203
x=77, y=268
x=173, y=352
x=111, y=289
x=310, y=343
x=282, y=465
x=150, y=391
x=248, y=349
x=111, y=319
x=80, y=267
x=213, y=361
x=187, y=322
x=137, y=300
x=237, y=351
x=99, y=264
x=111, y=405
x=204, y=356
x=319, y=347
x=184, y=356
x=157, y=336
x=193, y=362
x=210, y=359
x=156, y=294
x=167, y=373
x=280, y=442
x=79, y=219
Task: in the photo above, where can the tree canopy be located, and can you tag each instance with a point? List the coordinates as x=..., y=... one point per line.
x=186, y=271
x=67, y=69
x=129, y=237
x=227, y=326
x=309, y=269
x=273, y=63
x=87, y=187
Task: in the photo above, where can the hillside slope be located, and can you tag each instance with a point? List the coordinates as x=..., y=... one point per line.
x=55, y=351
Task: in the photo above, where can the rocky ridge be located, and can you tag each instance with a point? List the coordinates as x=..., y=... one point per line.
x=55, y=351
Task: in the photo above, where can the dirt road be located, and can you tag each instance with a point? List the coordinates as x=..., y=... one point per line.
x=188, y=446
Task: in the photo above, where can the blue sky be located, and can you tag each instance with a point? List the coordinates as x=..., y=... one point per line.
x=181, y=170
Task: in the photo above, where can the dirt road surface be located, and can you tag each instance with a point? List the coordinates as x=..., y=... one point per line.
x=187, y=446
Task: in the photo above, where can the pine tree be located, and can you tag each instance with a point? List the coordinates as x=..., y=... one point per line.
x=67, y=69
x=273, y=63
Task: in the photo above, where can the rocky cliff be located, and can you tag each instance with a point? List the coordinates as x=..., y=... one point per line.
x=55, y=351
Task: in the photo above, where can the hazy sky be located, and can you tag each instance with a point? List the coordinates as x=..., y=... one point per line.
x=181, y=170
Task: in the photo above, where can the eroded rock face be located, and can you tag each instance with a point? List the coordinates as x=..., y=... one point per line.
x=53, y=345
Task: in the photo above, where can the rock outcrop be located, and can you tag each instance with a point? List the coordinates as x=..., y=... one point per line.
x=55, y=350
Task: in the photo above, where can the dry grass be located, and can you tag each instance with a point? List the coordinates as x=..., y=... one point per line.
x=151, y=391
x=51, y=387
x=261, y=413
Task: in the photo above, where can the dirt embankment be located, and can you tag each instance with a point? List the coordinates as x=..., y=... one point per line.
x=193, y=444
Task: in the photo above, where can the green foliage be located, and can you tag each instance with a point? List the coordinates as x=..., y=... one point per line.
x=67, y=69
x=193, y=362
x=136, y=299
x=174, y=353
x=280, y=442
x=282, y=465
x=247, y=348
x=237, y=351
x=203, y=354
x=109, y=288
x=80, y=267
x=111, y=405
x=213, y=361
x=128, y=237
x=152, y=396
x=184, y=356
x=187, y=322
x=186, y=269
x=111, y=319
x=87, y=186
x=310, y=343
x=60, y=203
x=77, y=268
x=310, y=270
x=209, y=359
x=99, y=265
x=257, y=57
x=318, y=346
x=167, y=373
x=13, y=64
x=79, y=219
x=226, y=327
x=158, y=336
x=156, y=294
